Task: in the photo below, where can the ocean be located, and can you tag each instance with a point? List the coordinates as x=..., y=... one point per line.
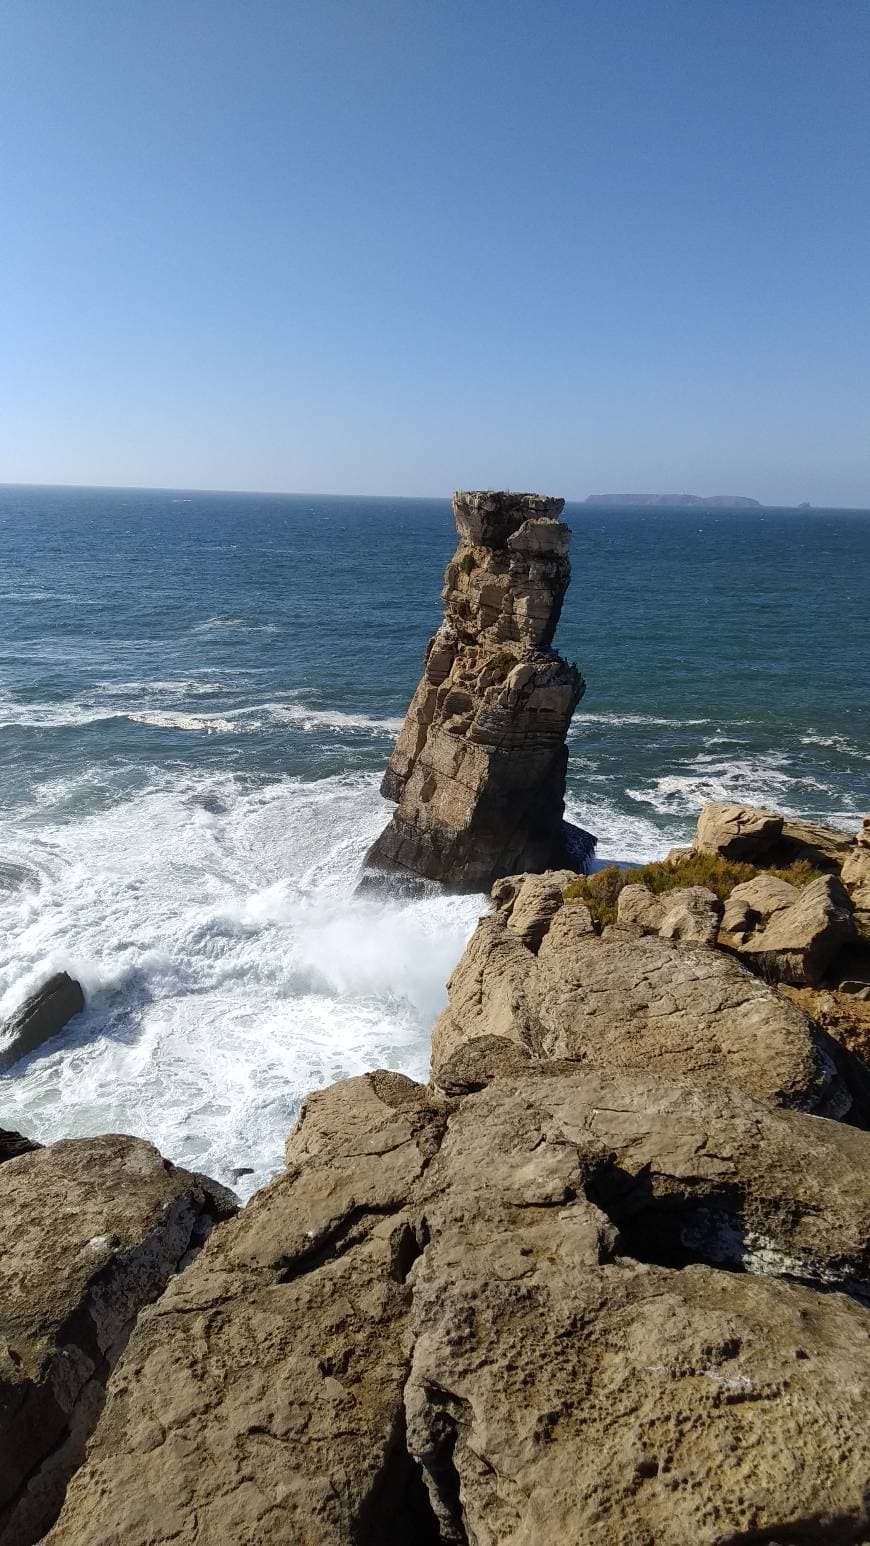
x=198, y=693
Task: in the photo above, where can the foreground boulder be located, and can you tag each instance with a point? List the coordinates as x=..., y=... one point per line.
x=478, y=771
x=91, y=1230
x=629, y=1002
x=789, y=933
x=41, y=1015
x=760, y=836
x=583, y=1372
x=573, y=1307
x=261, y=1398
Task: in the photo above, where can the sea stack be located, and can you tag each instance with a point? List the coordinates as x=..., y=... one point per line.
x=478, y=770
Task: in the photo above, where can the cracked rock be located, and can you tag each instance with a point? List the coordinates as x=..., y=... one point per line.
x=796, y=942
x=259, y=1401
x=570, y=1307
x=620, y=1002
x=581, y=1372
x=91, y=1230
x=691, y=913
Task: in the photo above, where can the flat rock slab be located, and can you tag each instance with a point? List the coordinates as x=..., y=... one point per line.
x=91, y=1230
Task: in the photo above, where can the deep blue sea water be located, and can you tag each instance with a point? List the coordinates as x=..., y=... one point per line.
x=197, y=696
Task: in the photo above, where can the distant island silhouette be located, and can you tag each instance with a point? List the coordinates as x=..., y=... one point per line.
x=696, y=501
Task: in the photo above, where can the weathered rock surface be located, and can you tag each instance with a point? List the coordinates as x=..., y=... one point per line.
x=736, y=831
x=260, y=1399
x=478, y=770
x=761, y=836
x=570, y=1383
x=855, y=876
x=623, y=1002
x=42, y=1015
x=691, y=913
x=753, y=904
x=826, y=847
x=528, y=903
x=581, y=1308
x=91, y=1230
x=799, y=940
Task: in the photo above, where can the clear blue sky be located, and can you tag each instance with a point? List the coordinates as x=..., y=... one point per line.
x=396, y=246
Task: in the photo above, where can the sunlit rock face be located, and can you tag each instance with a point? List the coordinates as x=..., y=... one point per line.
x=478, y=770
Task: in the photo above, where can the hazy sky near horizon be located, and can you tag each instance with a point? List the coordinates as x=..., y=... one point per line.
x=400, y=246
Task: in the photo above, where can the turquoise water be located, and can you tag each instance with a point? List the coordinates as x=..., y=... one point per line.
x=197, y=695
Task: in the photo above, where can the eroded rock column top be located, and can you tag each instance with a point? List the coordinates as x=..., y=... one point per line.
x=508, y=577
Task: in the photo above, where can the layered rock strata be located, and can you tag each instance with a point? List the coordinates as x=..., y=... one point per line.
x=478, y=770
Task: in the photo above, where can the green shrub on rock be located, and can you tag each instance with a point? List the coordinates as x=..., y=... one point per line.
x=600, y=892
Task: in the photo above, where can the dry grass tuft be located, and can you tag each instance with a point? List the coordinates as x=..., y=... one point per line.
x=600, y=892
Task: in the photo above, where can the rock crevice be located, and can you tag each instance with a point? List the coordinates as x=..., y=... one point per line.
x=92, y=1231
x=575, y=1303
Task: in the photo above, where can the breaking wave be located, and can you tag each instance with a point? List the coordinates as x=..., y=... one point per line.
x=227, y=964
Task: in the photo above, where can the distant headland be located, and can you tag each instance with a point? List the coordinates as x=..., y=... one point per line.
x=696, y=501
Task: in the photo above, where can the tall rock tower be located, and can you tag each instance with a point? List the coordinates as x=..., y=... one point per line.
x=478, y=770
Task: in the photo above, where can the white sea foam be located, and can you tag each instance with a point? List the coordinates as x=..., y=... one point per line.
x=178, y=687
x=329, y=719
x=174, y=719
x=227, y=964
x=239, y=624
x=241, y=719
x=763, y=779
x=62, y=716
x=838, y=743
x=616, y=718
x=624, y=836
x=50, y=716
x=755, y=780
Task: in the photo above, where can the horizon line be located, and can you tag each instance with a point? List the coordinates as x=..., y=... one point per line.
x=167, y=488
